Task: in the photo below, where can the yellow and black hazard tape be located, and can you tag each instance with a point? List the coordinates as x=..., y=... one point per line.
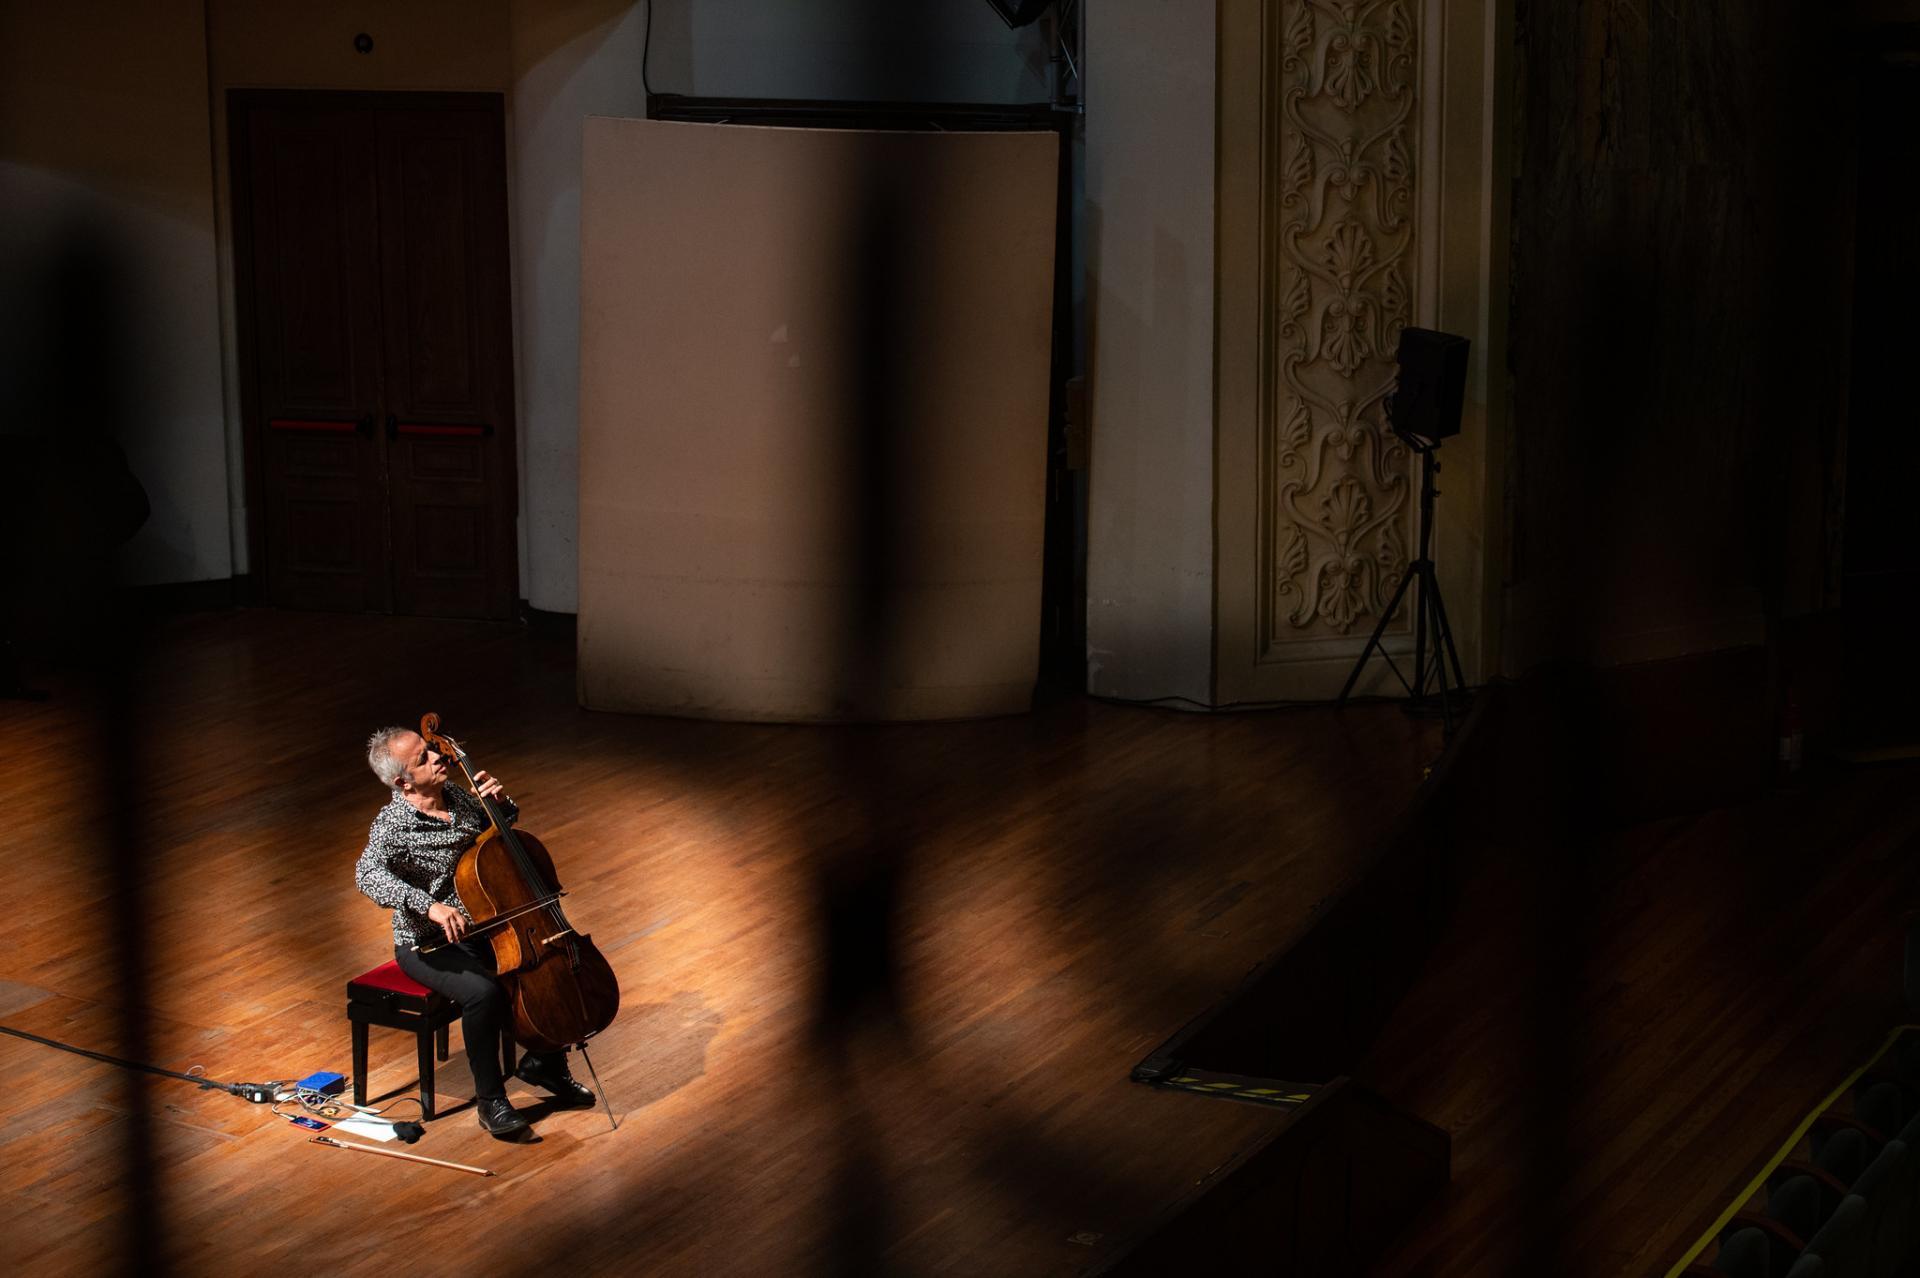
x=1259, y=1091
x=1754, y=1186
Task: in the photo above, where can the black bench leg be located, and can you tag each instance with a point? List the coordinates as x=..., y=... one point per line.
x=359, y=1062
x=425, y=1040
x=441, y=1038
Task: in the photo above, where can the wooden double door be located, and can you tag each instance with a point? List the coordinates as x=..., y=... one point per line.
x=371, y=269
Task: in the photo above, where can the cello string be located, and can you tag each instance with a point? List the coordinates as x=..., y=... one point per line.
x=528, y=874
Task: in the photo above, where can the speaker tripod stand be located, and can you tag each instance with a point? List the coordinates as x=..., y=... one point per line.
x=1430, y=612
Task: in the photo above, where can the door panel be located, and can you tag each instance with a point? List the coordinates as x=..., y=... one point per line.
x=434, y=345
x=315, y=302
x=442, y=524
x=448, y=353
x=321, y=253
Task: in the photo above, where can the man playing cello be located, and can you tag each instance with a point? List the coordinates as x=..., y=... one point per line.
x=412, y=848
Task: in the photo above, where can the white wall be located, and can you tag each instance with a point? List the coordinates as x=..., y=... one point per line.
x=562, y=74
x=1149, y=224
x=103, y=130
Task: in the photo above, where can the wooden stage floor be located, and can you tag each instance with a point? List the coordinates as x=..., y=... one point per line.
x=882, y=987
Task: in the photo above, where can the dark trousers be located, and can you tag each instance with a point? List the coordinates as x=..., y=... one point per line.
x=465, y=974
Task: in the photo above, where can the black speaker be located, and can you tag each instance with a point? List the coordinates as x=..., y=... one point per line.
x=1432, y=386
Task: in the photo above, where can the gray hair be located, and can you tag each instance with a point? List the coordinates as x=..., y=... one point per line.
x=380, y=756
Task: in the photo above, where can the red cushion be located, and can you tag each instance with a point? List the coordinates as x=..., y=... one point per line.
x=388, y=976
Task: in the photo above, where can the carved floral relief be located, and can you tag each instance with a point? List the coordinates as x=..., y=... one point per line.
x=1337, y=263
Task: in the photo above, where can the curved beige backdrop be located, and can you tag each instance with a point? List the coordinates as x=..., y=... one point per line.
x=812, y=420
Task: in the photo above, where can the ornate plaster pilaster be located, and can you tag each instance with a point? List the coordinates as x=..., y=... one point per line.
x=1337, y=264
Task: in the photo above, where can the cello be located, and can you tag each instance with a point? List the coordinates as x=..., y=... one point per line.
x=561, y=989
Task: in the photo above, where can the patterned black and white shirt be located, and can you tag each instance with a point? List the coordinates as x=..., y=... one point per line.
x=408, y=864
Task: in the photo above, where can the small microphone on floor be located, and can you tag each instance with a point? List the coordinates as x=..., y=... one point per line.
x=409, y=1132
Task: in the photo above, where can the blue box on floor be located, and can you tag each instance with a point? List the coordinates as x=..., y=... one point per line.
x=324, y=1081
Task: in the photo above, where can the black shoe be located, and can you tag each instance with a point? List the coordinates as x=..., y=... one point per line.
x=499, y=1117
x=550, y=1074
